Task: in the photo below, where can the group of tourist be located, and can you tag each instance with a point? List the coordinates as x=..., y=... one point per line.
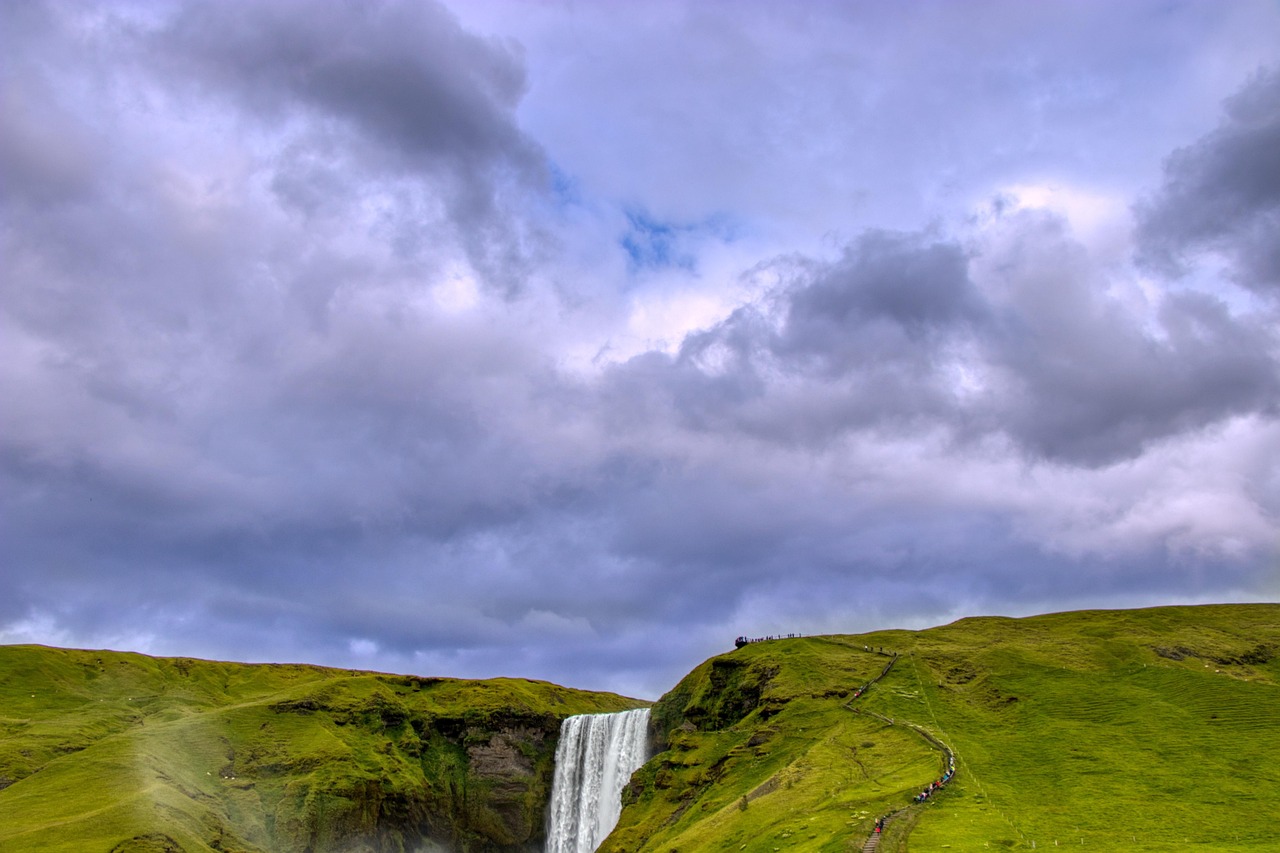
x=937, y=783
x=742, y=641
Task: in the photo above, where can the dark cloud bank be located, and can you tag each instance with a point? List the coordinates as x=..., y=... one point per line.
x=283, y=377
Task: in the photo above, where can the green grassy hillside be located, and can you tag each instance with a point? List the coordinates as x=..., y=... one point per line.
x=106, y=751
x=1145, y=730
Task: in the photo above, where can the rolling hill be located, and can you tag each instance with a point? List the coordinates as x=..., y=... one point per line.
x=109, y=751
x=1141, y=730
x=1138, y=730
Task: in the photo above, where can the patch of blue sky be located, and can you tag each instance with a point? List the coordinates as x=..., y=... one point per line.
x=565, y=189
x=653, y=244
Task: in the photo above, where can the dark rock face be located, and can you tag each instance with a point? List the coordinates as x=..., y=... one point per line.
x=150, y=843
x=502, y=756
x=504, y=766
x=477, y=790
x=1252, y=656
x=475, y=783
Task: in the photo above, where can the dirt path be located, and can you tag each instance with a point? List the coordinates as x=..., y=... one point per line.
x=873, y=841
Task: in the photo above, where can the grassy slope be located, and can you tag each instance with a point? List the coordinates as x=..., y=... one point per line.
x=97, y=748
x=1068, y=728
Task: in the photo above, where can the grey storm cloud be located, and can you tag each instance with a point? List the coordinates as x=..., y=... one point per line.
x=1086, y=382
x=913, y=284
x=881, y=338
x=1222, y=193
x=324, y=336
x=393, y=96
x=404, y=76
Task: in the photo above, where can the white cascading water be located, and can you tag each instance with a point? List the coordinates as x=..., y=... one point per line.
x=594, y=761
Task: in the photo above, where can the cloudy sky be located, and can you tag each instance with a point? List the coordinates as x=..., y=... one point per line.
x=570, y=340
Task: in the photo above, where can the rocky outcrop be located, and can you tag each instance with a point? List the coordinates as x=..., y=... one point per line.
x=449, y=784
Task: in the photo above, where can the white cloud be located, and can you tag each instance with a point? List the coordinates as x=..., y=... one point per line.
x=1101, y=220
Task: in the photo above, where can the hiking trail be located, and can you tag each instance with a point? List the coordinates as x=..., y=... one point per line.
x=872, y=843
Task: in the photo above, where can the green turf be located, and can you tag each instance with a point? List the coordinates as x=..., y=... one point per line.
x=1145, y=730
x=103, y=751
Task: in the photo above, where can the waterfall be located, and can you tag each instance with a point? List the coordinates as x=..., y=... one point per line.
x=595, y=759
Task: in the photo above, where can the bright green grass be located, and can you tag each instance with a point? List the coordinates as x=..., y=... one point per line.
x=98, y=748
x=1069, y=729
x=814, y=773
